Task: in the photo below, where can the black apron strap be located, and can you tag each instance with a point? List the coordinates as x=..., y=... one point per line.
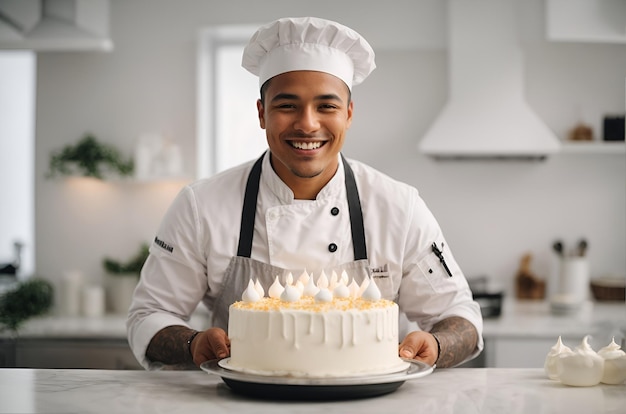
x=356, y=213
x=248, y=213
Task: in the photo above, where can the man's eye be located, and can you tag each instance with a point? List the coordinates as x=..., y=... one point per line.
x=285, y=106
x=328, y=107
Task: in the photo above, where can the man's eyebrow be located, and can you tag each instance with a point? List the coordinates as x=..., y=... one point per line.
x=285, y=96
x=329, y=97
x=293, y=97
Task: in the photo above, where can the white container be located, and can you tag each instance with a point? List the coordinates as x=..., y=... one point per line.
x=93, y=301
x=69, y=294
x=120, y=289
x=574, y=278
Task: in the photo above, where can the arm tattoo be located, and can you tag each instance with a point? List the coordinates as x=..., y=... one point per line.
x=169, y=346
x=458, y=338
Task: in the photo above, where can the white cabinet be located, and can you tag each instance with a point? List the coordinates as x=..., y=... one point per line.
x=520, y=352
x=80, y=353
x=55, y=25
x=601, y=21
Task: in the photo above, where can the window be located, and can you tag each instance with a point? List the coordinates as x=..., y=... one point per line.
x=17, y=154
x=228, y=125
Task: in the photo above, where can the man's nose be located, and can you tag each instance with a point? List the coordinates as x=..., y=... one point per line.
x=308, y=120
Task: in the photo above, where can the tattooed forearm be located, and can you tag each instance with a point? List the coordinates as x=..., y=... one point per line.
x=458, y=339
x=169, y=346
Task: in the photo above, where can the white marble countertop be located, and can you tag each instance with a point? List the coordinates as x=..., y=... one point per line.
x=456, y=390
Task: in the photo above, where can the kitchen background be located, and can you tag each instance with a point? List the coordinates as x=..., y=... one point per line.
x=492, y=211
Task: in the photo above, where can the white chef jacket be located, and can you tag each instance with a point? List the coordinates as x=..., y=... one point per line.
x=200, y=232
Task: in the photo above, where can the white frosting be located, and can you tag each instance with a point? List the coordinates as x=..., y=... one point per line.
x=304, y=278
x=611, y=351
x=324, y=295
x=290, y=294
x=323, y=340
x=364, y=285
x=583, y=367
x=334, y=280
x=276, y=289
x=551, y=364
x=309, y=330
x=341, y=291
x=250, y=294
x=259, y=288
x=344, y=277
x=354, y=289
x=300, y=287
x=371, y=292
x=310, y=289
x=614, y=364
x=322, y=281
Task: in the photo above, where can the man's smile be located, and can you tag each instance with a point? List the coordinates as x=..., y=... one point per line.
x=306, y=145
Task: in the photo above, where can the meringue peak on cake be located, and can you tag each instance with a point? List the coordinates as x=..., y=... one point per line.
x=323, y=290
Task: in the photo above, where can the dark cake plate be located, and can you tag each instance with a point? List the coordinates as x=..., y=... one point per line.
x=284, y=387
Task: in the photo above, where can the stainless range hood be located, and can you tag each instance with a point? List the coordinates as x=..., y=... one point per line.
x=486, y=115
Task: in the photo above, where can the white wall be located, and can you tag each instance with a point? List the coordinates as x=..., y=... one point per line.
x=492, y=213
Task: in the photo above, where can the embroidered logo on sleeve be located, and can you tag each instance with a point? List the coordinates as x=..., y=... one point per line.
x=380, y=272
x=163, y=245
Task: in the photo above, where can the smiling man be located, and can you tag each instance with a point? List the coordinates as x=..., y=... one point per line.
x=301, y=205
x=306, y=115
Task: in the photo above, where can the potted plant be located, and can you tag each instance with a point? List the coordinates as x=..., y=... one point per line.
x=89, y=158
x=33, y=297
x=122, y=279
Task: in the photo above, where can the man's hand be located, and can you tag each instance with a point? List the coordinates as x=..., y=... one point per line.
x=170, y=346
x=421, y=346
x=457, y=337
x=210, y=344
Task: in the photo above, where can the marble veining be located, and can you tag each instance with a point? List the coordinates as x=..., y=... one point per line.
x=460, y=390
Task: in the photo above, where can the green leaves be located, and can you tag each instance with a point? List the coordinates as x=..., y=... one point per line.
x=134, y=265
x=33, y=297
x=89, y=158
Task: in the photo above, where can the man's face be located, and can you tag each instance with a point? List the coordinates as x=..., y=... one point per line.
x=306, y=115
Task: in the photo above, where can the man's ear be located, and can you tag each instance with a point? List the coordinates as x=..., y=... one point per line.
x=261, y=113
x=350, y=108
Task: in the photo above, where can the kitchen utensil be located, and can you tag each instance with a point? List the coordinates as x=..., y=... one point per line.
x=582, y=247
x=558, y=247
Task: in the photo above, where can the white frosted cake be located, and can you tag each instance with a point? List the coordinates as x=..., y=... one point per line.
x=324, y=329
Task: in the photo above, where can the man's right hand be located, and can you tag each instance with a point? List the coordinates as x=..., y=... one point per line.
x=210, y=344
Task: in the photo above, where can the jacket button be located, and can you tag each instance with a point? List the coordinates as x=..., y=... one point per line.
x=334, y=211
x=332, y=247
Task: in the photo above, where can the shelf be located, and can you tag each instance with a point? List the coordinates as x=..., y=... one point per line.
x=604, y=147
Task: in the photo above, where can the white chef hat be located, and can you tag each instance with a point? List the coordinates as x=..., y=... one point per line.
x=308, y=43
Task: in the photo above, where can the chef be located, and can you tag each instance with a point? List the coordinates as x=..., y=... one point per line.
x=301, y=206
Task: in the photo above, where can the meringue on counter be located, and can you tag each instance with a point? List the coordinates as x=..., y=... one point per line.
x=551, y=364
x=582, y=368
x=614, y=364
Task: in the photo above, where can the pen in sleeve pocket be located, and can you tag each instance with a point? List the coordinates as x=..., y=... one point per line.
x=439, y=254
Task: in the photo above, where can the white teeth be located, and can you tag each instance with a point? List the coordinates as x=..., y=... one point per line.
x=306, y=145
